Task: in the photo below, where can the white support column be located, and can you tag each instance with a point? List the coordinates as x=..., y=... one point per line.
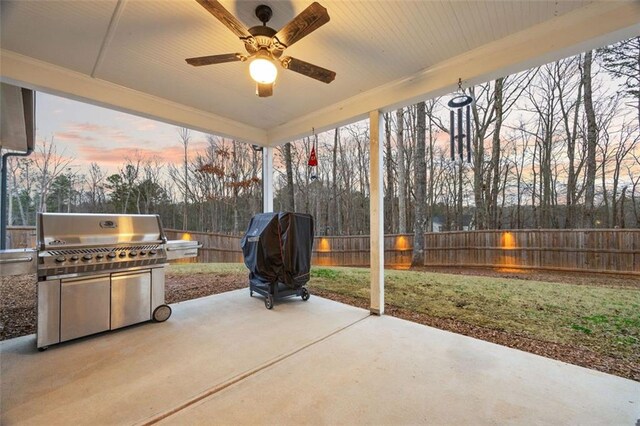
x=267, y=179
x=376, y=211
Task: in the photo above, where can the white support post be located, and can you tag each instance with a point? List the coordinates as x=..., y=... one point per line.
x=376, y=211
x=267, y=179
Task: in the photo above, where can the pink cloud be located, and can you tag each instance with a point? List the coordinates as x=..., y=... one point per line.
x=118, y=155
x=85, y=127
x=73, y=131
x=149, y=125
x=119, y=136
x=73, y=136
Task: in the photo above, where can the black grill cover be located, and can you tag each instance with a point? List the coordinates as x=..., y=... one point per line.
x=277, y=248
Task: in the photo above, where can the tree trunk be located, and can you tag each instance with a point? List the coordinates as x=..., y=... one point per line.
x=420, y=188
x=335, y=215
x=290, y=192
x=572, y=133
x=431, y=181
x=592, y=139
x=185, y=137
x=479, y=190
x=390, y=192
x=402, y=185
x=495, y=155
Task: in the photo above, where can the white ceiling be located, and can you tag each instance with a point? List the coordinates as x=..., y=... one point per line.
x=141, y=45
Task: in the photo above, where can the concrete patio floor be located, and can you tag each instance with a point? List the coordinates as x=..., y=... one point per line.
x=225, y=359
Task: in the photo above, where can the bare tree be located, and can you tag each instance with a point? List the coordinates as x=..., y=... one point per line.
x=49, y=165
x=184, y=135
x=419, y=224
x=592, y=140
x=95, y=181
x=402, y=184
x=290, y=198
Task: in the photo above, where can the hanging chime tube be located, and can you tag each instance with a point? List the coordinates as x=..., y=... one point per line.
x=452, y=134
x=468, y=134
x=460, y=135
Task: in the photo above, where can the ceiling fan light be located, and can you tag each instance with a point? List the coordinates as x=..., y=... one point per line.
x=263, y=71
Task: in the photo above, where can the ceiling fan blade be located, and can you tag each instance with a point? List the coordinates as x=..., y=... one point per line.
x=216, y=9
x=321, y=74
x=264, y=90
x=215, y=59
x=309, y=20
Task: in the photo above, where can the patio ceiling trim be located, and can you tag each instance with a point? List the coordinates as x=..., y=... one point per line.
x=31, y=73
x=590, y=27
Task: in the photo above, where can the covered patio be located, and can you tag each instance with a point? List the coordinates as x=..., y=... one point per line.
x=225, y=359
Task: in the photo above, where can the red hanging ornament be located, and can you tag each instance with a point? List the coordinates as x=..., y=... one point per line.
x=313, y=160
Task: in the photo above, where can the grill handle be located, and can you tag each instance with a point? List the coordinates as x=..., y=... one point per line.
x=17, y=260
x=182, y=248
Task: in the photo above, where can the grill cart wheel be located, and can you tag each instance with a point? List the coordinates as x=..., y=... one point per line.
x=42, y=349
x=250, y=293
x=305, y=294
x=161, y=313
x=268, y=302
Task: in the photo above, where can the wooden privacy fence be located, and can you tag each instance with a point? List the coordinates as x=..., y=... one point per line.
x=582, y=250
x=21, y=237
x=354, y=250
x=215, y=247
x=343, y=251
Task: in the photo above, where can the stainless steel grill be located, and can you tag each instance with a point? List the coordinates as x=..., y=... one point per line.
x=83, y=243
x=96, y=272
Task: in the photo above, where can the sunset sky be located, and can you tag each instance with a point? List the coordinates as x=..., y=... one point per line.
x=89, y=133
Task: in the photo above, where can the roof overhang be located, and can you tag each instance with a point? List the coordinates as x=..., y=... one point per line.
x=591, y=26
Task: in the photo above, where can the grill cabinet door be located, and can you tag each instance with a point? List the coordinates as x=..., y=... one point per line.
x=84, y=307
x=130, y=298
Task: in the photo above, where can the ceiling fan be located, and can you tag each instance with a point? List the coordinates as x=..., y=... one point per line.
x=265, y=46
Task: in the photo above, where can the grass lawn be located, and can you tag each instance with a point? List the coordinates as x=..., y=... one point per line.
x=600, y=319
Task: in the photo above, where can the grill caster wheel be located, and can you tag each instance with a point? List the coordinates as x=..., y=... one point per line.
x=161, y=313
x=268, y=302
x=42, y=349
x=305, y=294
x=250, y=293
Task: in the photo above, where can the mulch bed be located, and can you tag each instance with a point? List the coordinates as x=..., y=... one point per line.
x=18, y=316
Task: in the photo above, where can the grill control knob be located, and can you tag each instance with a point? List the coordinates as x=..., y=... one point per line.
x=99, y=256
x=133, y=253
x=60, y=259
x=87, y=257
x=74, y=258
x=143, y=253
x=111, y=255
x=152, y=252
x=122, y=254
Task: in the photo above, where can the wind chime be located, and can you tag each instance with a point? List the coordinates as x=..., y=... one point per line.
x=313, y=159
x=460, y=101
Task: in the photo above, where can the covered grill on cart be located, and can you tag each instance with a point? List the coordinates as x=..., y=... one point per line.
x=277, y=252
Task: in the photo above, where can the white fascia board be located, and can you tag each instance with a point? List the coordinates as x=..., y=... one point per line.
x=592, y=26
x=31, y=73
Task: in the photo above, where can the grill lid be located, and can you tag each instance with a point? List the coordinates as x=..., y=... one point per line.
x=69, y=230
